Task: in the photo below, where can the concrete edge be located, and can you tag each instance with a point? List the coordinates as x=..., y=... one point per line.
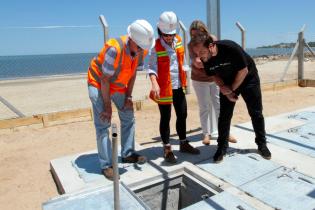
x=60, y=188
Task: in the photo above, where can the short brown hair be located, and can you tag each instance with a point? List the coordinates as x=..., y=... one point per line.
x=204, y=40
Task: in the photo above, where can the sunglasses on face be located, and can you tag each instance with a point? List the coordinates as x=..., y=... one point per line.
x=139, y=48
x=168, y=35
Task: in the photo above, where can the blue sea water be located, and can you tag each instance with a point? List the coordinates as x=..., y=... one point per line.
x=43, y=65
x=22, y=66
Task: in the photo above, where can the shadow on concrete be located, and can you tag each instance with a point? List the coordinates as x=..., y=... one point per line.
x=89, y=163
x=159, y=140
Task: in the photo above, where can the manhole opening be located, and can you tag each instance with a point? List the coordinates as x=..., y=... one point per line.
x=175, y=193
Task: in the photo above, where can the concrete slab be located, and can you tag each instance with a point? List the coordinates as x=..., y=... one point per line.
x=221, y=201
x=96, y=199
x=241, y=173
x=300, y=139
x=284, y=189
x=75, y=172
x=239, y=167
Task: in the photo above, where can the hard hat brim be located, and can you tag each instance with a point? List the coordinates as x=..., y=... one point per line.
x=143, y=46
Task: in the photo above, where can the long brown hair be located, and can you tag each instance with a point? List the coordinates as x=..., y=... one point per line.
x=200, y=27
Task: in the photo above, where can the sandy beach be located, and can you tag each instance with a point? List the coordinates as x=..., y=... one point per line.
x=25, y=178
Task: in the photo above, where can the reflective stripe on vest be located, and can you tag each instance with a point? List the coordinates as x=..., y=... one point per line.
x=164, y=78
x=124, y=66
x=118, y=69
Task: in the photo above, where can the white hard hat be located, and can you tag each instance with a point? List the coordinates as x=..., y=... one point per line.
x=142, y=33
x=168, y=22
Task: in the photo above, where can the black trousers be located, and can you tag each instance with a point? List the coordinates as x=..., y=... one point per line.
x=180, y=106
x=251, y=94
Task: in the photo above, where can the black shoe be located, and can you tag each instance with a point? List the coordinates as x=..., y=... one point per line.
x=219, y=154
x=134, y=158
x=264, y=151
x=169, y=155
x=187, y=148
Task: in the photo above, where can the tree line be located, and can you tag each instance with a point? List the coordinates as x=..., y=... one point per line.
x=286, y=45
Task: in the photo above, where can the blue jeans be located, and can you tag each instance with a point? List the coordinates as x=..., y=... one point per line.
x=127, y=127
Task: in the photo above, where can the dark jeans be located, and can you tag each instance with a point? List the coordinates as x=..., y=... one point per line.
x=251, y=94
x=180, y=105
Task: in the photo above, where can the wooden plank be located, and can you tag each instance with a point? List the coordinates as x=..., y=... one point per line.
x=306, y=83
x=57, y=116
x=17, y=122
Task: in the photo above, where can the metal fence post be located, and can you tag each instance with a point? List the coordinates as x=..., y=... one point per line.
x=213, y=17
x=187, y=58
x=301, y=54
x=115, y=167
x=105, y=27
x=238, y=24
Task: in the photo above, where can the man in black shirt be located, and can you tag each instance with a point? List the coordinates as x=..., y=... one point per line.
x=236, y=74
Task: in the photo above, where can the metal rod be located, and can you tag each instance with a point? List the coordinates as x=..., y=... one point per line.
x=105, y=27
x=290, y=60
x=115, y=167
x=301, y=54
x=183, y=29
x=185, y=39
x=309, y=48
x=11, y=107
x=238, y=24
x=213, y=17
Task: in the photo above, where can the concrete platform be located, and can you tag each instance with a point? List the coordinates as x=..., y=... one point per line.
x=244, y=180
x=98, y=198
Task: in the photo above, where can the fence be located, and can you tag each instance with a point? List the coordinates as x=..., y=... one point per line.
x=37, y=84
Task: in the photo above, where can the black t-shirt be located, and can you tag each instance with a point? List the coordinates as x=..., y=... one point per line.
x=230, y=59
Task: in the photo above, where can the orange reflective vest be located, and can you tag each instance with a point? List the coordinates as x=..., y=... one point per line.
x=124, y=66
x=163, y=71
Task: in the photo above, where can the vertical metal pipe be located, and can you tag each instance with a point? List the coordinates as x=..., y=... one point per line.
x=238, y=24
x=183, y=29
x=185, y=39
x=105, y=27
x=115, y=167
x=213, y=17
x=301, y=54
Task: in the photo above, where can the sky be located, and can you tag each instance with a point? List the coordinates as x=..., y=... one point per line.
x=72, y=26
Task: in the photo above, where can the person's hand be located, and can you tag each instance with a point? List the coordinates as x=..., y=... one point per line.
x=155, y=91
x=225, y=90
x=197, y=63
x=128, y=104
x=106, y=116
x=232, y=97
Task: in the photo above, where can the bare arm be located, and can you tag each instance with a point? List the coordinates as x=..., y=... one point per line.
x=225, y=90
x=107, y=114
x=155, y=86
x=131, y=84
x=240, y=76
x=128, y=100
